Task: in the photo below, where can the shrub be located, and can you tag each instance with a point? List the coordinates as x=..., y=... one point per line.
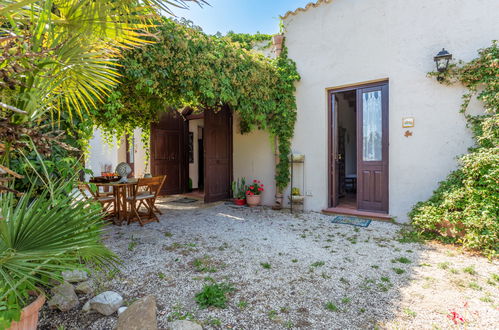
x=464, y=208
x=42, y=234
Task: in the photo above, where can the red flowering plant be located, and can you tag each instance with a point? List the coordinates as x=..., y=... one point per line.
x=256, y=188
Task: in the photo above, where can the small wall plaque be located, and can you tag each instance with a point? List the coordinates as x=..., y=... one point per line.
x=407, y=122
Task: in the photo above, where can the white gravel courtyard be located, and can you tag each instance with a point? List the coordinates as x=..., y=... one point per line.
x=291, y=271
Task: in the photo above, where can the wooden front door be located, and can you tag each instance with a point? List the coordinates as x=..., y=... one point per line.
x=372, y=148
x=169, y=152
x=217, y=154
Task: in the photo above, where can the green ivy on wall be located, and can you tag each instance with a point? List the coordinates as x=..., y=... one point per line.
x=465, y=208
x=186, y=67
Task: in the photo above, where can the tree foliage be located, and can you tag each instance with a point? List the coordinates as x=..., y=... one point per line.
x=186, y=67
x=465, y=208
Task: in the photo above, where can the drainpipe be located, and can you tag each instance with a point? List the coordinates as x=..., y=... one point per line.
x=278, y=43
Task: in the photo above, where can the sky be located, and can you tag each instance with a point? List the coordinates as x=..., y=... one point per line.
x=242, y=16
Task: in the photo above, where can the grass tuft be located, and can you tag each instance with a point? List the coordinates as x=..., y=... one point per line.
x=470, y=270
x=331, y=307
x=214, y=295
x=266, y=265
x=398, y=271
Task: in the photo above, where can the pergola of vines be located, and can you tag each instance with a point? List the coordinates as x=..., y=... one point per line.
x=186, y=67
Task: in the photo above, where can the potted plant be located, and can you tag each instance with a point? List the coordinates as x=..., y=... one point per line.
x=296, y=195
x=254, y=192
x=42, y=235
x=239, y=191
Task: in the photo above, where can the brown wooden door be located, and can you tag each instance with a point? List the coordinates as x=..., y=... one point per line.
x=217, y=154
x=169, y=151
x=335, y=178
x=372, y=148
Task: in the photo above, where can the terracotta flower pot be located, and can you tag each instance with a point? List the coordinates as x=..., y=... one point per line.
x=240, y=201
x=29, y=315
x=278, y=202
x=253, y=200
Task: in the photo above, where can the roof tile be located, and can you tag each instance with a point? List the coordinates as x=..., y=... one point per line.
x=307, y=7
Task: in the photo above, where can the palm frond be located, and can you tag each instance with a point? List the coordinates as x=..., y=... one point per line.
x=42, y=235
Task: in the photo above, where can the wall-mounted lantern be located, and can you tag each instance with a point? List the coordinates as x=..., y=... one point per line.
x=442, y=61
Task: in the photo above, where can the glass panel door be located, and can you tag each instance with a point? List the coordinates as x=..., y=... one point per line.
x=372, y=131
x=372, y=148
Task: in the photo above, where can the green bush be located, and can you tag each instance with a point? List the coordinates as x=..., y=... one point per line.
x=41, y=235
x=465, y=207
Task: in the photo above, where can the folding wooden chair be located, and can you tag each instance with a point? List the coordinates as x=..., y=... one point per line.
x=105, y=199
x=144, y=194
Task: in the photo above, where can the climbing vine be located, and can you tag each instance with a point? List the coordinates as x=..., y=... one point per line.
x=186, y=67
x=465, y=208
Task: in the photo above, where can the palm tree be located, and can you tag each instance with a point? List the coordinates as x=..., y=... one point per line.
x=60, y=55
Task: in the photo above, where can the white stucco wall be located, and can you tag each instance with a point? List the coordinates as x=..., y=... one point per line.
x=253, y=159
x=101, y=153
x=356, y=41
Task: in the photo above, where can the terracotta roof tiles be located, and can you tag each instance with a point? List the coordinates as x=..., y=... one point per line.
x=307, y=7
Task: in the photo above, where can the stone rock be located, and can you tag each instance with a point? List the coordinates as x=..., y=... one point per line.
x=75, y=276
x=86, y=307
x=141, y=315
x=121, y=310
x=185, y=325
x=64, y=297
x=106, y=303
x=84, y=287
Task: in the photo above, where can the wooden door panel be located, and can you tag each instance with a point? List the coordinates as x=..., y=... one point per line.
x=168, y=152
x=372, y=148
x=364, y=192
x=334, y=175
x=218, y=154
x=378, y=186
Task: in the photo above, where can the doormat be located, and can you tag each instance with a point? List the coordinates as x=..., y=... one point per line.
x=185, y=200
x=354, y=221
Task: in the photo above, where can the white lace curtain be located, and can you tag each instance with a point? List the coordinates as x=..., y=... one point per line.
x=372, y=129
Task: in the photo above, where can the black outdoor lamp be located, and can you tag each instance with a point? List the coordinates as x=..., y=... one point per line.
x=442, y=61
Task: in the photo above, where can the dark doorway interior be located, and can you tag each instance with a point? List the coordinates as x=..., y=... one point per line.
x=347, y=149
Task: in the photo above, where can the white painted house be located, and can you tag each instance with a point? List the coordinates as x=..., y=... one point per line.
x=363, y=67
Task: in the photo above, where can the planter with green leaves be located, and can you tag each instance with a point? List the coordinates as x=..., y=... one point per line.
x=41, y=236
x=296, y=195
x=239, y=191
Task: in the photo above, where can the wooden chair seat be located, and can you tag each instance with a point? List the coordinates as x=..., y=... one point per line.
x=107, y=201
x=145, y=198
x=140, y=197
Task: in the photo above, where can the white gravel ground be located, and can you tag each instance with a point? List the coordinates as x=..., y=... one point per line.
x=312, y=262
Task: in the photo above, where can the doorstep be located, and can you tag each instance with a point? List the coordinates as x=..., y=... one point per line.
x=357, y=213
